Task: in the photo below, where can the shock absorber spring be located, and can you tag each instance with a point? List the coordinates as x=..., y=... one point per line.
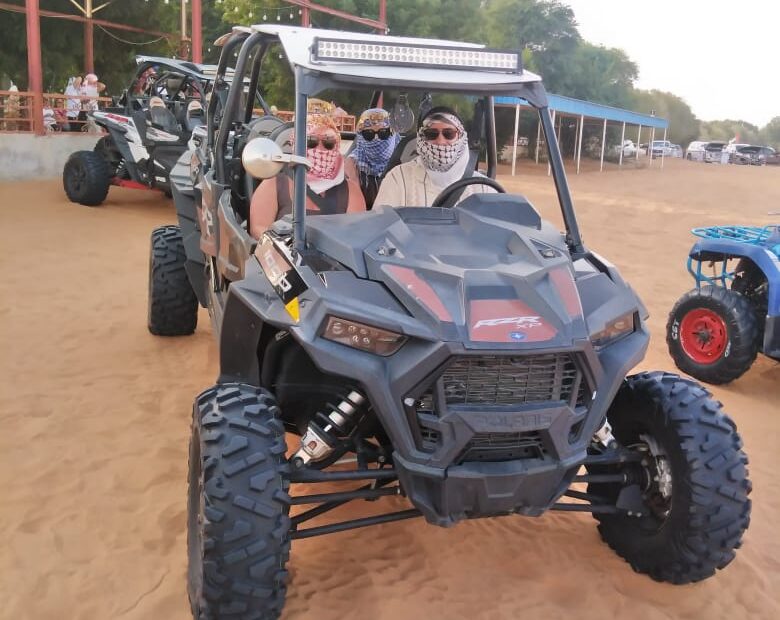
x=325, y=429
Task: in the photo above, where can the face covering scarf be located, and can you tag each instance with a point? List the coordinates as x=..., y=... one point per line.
x=372, y=156
x=441, y=157
x=327, y=166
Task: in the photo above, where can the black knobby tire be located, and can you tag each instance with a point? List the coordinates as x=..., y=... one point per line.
x=173, y=306
x=86, y=178
x=713, y=355
x=688, y=535
x=238, y=524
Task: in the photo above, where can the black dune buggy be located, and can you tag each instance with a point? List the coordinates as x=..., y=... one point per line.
x=466, y=356
x=146, y=132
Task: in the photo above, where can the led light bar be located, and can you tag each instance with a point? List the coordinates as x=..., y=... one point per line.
x=440, y=57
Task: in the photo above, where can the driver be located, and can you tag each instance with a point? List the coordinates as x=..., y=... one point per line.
x=443, y=158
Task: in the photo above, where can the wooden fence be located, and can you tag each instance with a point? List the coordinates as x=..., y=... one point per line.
x=16, y=112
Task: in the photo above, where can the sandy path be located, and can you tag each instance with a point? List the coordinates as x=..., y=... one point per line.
x=95, y=414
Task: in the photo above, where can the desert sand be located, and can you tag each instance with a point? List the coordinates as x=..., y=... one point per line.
x=95, y=425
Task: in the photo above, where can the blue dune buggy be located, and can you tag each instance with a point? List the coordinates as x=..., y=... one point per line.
x=715, y=331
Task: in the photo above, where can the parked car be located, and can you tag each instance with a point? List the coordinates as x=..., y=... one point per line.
x=661, y=148
x=713, y=152
x=773, y=159
x=676, y=151
x=695, y=150
x=629, y=149
x=751, y=155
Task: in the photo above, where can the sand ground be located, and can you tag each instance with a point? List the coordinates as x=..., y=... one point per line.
x=95, y=423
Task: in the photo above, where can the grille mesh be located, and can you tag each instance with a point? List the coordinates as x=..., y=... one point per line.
x=495, y=447
x=505, y=380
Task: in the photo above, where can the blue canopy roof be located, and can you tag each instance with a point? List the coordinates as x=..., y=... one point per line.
x=578, y=107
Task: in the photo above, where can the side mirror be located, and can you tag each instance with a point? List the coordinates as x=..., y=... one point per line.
x=263, y=159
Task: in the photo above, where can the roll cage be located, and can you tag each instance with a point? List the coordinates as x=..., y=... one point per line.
x=229, y=112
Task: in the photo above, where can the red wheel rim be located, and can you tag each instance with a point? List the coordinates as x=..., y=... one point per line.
x=703, y=336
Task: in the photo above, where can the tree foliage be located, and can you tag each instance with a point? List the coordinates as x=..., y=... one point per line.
x=545, y=30
x=683, y=125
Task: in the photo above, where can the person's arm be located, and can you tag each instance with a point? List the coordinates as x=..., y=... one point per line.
x=356, y=200
x=350, y=169
x=263, y=209
x=391, y=191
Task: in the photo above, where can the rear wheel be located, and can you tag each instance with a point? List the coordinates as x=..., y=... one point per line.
x=238, y=524
x=173, y=306
x=712, y=334
x=688, y=498
x=86, y=178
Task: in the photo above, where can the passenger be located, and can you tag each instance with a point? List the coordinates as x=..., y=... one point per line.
x=73, y=103
x=92, y=88
x=328, y=190
x=442, y=159
x=375, y=142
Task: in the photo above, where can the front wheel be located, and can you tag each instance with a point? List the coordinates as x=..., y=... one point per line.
x=173, y=306
x=712, y=334
x=237, y=520
x=689, y=494
x=86, y=178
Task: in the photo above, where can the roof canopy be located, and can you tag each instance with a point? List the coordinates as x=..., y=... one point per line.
x=579, y=107
x=298, y=44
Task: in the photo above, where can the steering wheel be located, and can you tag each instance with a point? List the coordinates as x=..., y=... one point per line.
x=451, y=194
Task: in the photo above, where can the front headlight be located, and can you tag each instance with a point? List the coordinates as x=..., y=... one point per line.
x=614, y=330
x=363, y=337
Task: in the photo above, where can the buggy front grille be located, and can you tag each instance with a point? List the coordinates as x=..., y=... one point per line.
x=511, y=380
x=484, y=382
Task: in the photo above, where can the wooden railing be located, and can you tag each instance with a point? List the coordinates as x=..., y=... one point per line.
x=16, y=112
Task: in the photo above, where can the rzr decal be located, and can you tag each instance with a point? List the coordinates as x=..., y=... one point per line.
x=506, y=320
x=518, y=321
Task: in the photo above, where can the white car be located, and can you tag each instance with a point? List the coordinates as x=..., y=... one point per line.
x=695, y=150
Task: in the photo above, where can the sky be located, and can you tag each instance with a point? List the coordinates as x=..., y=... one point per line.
x=722, y=57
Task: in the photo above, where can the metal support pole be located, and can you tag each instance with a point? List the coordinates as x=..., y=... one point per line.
x=549, y=169
x=89, y=39
x=538, y=135
x=197, y=31
x=650, y=146
x=576, y=137
x=603, y=144
x=638, y=141
x=514, y=146
x=622, y=142
x=305, y=19
x=573, y=238
x=579, y=142
x=183, y=27
x=34, y=67
x=663, y=150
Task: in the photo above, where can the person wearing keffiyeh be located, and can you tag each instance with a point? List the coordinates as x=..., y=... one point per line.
x=375, y=142
x=328, y=190
x=442, y=158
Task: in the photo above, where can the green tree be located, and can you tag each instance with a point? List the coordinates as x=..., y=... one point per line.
x=683, y=124
x=726, y=130
x=770, y=133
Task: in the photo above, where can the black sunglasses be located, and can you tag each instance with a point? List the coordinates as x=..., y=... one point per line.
x=382, y=134
x=431, y=133
x=327, y=143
